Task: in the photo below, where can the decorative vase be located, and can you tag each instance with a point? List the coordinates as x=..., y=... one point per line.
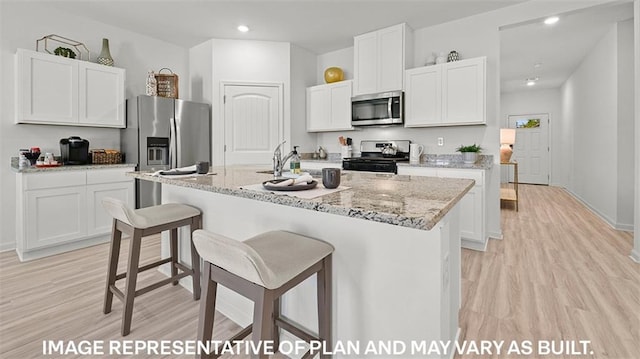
x=333, y=74
x=453, y=56
x=152, y=84
x=105, y=56
x=469, y=157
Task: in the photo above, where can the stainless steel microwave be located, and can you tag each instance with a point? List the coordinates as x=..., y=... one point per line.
x=385, y=108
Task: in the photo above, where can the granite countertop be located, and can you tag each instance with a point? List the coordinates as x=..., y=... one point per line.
x=415, y=202
x=34, y=169
x=485, y=162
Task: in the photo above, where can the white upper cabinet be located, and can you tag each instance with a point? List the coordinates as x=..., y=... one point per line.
x=329, y=107
x=447, y=94
x=380, y=58
x=55, y=90
x=47, y=88
x=464, y=91
x=101, y=96
x=423, y=96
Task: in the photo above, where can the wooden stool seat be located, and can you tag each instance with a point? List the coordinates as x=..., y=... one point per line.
x=262, y=269
x=138, y=224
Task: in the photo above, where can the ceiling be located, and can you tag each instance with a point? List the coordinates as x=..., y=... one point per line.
x=560, y=47
x=319, y=26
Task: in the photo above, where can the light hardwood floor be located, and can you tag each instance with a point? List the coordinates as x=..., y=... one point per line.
x=560, y=273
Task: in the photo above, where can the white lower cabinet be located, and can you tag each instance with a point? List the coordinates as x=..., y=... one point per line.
x=54, y=215
x=62, y=210
x=472, y=206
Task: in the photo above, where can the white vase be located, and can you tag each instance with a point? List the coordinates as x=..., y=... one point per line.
x=469, y=157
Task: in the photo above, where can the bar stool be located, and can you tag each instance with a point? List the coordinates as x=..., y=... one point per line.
x=262, y=269
x=141, y=223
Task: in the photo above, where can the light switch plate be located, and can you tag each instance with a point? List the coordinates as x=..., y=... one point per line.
x=440, y=141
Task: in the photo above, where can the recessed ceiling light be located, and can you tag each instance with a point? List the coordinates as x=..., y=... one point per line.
x=243, y=28
x=551, y=20
x=531, y=81
x=537, y=65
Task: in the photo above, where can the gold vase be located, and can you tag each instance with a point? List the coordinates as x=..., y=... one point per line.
x=333, y=74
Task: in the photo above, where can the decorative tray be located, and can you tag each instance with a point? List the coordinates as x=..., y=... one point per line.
x=299, y=187
x=45, y=166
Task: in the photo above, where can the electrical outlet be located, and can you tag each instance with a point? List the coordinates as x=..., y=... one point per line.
x=440, y=141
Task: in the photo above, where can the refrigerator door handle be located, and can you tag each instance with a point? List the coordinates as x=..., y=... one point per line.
x=173, y=155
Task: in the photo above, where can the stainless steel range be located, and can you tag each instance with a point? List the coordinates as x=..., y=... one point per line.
x=379, y=156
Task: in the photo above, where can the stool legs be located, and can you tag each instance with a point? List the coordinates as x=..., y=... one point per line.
x=196, y=223
x=173, y=248
x=132, y=276
x=324, y=302
x=207, y=308
x=114, y=255
x=263, y=320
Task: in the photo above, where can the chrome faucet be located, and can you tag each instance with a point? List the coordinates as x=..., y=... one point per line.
x=278, y=161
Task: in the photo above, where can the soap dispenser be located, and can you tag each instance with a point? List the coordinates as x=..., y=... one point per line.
x=295, y=161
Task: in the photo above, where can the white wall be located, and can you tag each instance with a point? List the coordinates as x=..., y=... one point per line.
x=21, y=23
x=635, y=253
x=201, y=72
x=542, y=101
x=248, y=61
x=342, y=58
x=597, y=106
x=303, y=70
x=625, y=140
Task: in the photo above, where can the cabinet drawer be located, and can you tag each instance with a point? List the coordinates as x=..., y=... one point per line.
x=109, y=175
x=34, y=181
x=477, y=175
x=417, y=171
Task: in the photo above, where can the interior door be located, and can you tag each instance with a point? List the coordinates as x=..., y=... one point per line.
x=531, y=149
x=253, y=123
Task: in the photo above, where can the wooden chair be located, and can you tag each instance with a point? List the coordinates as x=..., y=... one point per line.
x=138, y=224
x=262, y=269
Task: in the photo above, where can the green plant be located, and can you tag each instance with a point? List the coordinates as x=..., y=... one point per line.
x=65, y=51
x=472, y=148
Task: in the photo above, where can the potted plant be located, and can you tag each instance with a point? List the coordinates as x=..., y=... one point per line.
x=469, y=153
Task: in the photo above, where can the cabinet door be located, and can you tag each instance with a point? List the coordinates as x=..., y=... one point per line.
x=423, y=97
x=365, y=63
x=472, y=211
x=318, y=111
x=463, y=92
x=390, y=58
x=101, y=100
x=47, y=88
x=55, y=216
x=99, y=221
x=340, y=99
x=471, y=215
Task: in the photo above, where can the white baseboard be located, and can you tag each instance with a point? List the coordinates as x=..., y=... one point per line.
x=624, y=227
x=613, y=224
x=5, y=247
x=474, y=245
x=496, y=235
x=62, y=248
x=635, y=256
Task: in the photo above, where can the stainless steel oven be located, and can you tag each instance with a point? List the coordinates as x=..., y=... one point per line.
x=385, y=108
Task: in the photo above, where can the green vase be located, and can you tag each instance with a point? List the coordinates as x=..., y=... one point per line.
x=105, y=55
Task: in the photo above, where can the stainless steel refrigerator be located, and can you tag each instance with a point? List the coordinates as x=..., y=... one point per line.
x=161, y=134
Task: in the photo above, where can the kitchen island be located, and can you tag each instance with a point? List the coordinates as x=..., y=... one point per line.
x=396, y=264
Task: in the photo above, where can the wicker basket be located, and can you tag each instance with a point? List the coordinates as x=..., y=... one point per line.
x=167, y=84
x=106, y=157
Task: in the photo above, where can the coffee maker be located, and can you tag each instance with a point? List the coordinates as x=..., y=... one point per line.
x=74, y=151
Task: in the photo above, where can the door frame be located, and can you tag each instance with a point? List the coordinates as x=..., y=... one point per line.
x=550, y=157
x=281, y=114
